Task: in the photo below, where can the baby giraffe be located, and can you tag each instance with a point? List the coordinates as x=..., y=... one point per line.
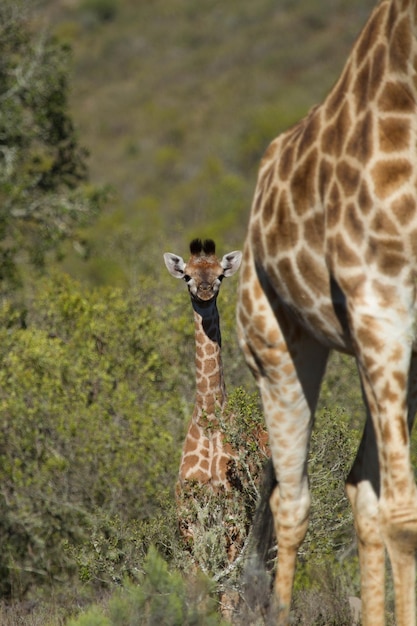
x=205, y=455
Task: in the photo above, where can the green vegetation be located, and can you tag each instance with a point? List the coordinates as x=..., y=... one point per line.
x=176, y=103
x=42, y=165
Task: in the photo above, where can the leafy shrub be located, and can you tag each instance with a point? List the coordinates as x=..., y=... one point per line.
x=220, y=523
x=89, y=425
x=43, y=169
x=160, y=597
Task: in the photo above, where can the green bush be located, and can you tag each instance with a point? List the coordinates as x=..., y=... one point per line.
x=160, y=597
x=43, y=171
x=89, y=431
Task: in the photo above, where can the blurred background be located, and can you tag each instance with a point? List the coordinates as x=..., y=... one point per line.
x=176, y=102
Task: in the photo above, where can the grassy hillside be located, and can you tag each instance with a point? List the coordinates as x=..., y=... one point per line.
x=177, y=101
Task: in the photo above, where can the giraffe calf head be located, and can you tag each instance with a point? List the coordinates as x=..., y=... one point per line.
x=204, y=272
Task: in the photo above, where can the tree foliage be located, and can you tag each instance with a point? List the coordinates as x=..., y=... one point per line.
x=43, y=173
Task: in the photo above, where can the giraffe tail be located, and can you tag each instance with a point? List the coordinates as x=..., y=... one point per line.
x=258, y=573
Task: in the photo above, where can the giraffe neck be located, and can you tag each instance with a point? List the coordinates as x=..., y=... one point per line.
x=387, y=47
x=210, y=387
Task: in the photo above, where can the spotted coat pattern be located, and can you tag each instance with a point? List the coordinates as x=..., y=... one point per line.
x=330, y=262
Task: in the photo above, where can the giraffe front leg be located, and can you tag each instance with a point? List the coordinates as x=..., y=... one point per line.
x=289, y=366
x=290, y=529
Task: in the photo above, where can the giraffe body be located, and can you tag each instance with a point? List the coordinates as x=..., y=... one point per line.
x=330, y=261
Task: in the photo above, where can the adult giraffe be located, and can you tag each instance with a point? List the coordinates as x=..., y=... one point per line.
x=330, y=262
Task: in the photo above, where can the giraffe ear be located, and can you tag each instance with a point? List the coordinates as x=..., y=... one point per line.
x=175, y=265
x=231, y=262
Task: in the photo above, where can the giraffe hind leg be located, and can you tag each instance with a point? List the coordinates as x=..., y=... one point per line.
x=385, y=502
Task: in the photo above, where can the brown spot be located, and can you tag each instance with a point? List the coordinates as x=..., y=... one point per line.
x=269, y=205
x=260, y=325
x=272, y=240
x=361, y=87
x=378, y=69
x=353, y=223
x=209, y=349
x=269, y=154
x=325, y=175
x=389, y=394
x=303, y=183
x=314, y=231
x=190, y=446
x=273, y=337
x=386, y=432
x=349, y=177
x=309, y=134
x=400, y=379
x=334, y=135
x=360, y=144
x=404, y=208
x=392, y=18
x=257, y=239
x=400, y=46
x=365, y=202
x=371, y=63
x=382, y=224
x=386, y=292
x=346, y=255
x=210, y=366
x=193, y=432
x=308, y=269
x=389, y=175
x=302, y=298
x=394, y=134
x=286, y=226
x=386, y=255
x=286, y=270
x=337, y=96
x=368, y=336
x=396, y=356
x=396, y=96
x=368, y=37
x=334, y=206
x=286, y=161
